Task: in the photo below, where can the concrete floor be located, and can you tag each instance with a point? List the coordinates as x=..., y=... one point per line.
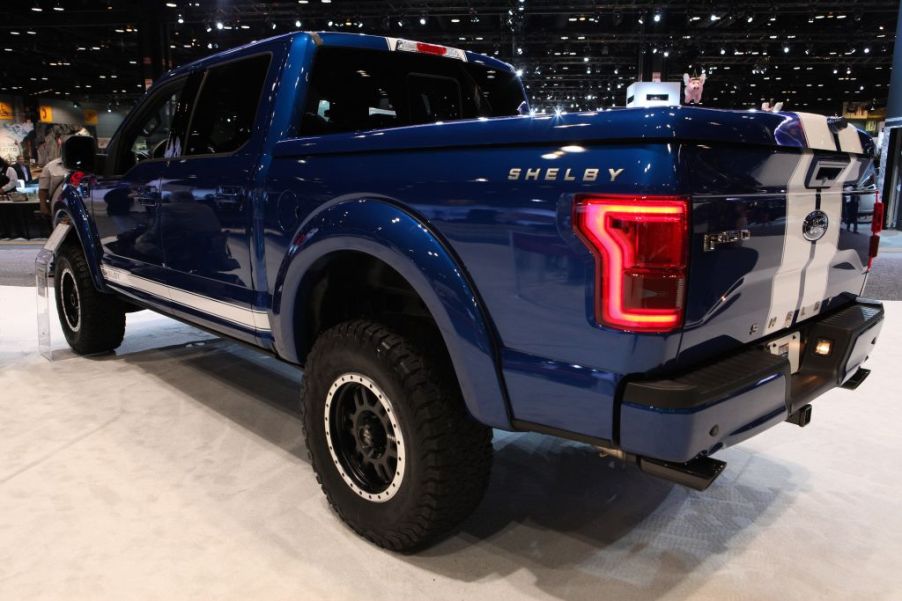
x=175, y=469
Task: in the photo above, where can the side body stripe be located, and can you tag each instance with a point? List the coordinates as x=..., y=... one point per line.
x=236, y=314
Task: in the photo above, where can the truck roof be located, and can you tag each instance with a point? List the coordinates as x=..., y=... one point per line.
x=332, y=38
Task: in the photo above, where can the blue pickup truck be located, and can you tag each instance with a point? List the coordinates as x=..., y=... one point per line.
x=389, y=215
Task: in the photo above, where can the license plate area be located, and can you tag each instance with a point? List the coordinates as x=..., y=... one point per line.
x=788, y=346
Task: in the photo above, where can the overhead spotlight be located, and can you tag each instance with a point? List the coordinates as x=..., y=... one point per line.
x=297, y=23
x=422, y=20
x=750, y=18
x=657, y=17
x=181, y=19
x=867, y=50
x=714, y=17
x=219, y=25
x=785, y=49
x=519, y=72
x=723, y=51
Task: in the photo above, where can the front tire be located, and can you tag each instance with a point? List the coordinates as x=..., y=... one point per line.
x=92, y=322
x=393, y=447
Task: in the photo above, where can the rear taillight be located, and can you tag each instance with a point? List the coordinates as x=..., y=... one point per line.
x=640, y=245
x=876, y=228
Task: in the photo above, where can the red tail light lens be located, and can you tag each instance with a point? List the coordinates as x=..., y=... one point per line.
x=877, y=221
x=431, y=48
x=876, y=228
x=640, y=245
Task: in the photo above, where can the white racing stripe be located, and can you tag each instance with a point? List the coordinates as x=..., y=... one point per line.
x=787, y=283
x=817, y=131
x=850, y=141
x=818, y=271
x=251, y=318
x=800, y=284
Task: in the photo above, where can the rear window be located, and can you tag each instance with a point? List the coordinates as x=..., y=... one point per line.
x=353, y=90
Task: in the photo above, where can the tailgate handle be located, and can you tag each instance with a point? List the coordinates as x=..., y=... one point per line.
x=824, y=173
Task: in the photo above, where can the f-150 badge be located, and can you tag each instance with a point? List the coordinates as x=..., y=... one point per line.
x=553, y=174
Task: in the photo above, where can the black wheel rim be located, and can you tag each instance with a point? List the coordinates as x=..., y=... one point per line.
x=70, y=300
x=364, y=437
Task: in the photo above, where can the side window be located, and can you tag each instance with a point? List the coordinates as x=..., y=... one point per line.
x=147, y=137
x=225, y=110
x=354, y=90
x=349, y=95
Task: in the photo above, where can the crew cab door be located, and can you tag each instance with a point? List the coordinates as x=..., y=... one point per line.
x=205, y=209
x=125, y=199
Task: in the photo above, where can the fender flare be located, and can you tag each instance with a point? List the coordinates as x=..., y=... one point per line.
x=70, y=205
x=387, y=232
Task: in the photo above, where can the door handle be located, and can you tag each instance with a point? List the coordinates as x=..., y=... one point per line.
x=229, y=196
x=147, y=196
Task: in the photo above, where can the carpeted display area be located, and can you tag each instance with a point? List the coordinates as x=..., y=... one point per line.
x=176, y=469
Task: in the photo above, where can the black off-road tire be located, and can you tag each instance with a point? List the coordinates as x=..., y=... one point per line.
x=447, y=456
x=93, y=322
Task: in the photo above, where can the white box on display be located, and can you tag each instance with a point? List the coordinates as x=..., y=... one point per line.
x=653, y=93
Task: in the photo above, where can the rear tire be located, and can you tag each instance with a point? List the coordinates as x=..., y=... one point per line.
x=393, y=447
x=92, y=322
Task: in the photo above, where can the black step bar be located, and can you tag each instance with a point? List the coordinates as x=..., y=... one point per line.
x=697, y=474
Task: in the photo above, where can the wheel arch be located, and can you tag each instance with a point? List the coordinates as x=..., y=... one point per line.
x=69, y=206
x=380, y=233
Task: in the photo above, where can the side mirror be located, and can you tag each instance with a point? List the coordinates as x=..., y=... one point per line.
x=78, y=153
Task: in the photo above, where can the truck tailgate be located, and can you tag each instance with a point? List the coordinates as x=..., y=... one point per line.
x=774, y=238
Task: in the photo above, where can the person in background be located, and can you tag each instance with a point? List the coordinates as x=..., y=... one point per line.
x=51, y=177
x=9, y=175
x=22, y=169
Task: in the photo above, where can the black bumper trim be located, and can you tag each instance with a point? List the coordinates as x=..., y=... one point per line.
x=733, y=375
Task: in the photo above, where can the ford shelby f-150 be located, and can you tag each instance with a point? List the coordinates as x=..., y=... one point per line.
x=657, y=282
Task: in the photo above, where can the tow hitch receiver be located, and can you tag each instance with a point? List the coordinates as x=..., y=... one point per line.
x=802, y=417
x=697, y=474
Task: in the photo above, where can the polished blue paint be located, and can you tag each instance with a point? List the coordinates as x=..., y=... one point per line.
x=492, y=256
x=376, y=226
x=679, y=436
x=70, y=205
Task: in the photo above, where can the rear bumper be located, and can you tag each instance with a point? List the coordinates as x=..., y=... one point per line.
x=725, y=402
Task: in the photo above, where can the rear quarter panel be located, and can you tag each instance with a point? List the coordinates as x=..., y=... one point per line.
x=513, y=239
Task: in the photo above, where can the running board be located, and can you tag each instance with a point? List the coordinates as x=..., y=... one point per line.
x=697, y=474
